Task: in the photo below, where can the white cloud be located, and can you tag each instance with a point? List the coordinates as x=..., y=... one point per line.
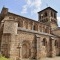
x=24, y=10
x=33, y=5
x=28, y=2
x=58, y=21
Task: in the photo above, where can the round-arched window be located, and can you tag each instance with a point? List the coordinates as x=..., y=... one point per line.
x=44, y=42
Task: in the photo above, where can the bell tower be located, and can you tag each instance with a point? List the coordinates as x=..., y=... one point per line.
x=48, y=16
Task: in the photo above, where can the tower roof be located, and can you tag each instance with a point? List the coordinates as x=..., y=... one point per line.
x=48, y=8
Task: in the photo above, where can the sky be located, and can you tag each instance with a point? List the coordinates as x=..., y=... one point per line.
x=29, y=8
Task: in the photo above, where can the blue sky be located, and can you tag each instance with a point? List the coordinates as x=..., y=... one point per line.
x=29, y=8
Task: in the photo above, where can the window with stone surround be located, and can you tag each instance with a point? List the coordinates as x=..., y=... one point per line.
x=56, y=43
x=46, y=29
x=51, y=14
x=44, y=42
x=54, y=15
x=20, y=23
x=45, y=14
x=35, y=27
x=40, y=27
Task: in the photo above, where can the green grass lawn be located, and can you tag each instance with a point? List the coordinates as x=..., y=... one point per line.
x=3, y=58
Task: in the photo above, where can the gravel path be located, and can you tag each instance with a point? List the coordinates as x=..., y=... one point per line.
x=55, y=58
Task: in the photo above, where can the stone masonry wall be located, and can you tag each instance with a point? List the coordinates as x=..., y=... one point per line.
x=30, y=37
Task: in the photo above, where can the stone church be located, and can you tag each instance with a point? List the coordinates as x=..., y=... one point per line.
x=23, y=38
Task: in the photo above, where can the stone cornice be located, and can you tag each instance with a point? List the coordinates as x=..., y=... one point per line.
x=35, y=32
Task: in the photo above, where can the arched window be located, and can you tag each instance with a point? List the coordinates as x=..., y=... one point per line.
x=44, y=42
x=54, y=15
x=51, y=14
x=43, y=28
x=40, y=28
x=47, y=29
x=20, y=23
x=56, y=43
x=26, y=49
x=45, y=14
x=34, y=27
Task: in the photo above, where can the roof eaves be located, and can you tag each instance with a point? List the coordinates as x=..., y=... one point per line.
x=48, y=8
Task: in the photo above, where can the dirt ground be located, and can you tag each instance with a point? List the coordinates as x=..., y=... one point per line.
x=55, y=58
